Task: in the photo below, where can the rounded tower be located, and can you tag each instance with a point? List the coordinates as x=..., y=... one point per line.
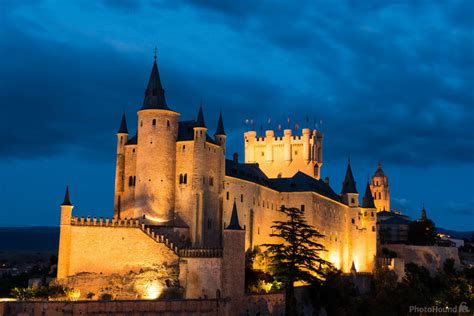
x=156, y=154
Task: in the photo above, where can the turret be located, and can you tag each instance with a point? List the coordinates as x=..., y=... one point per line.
x=233, y=264
x=287, y=146
x=64, y=249
x=66, y=209
x=380, y=190
x=349, y=193
x=220, y=136
x=122, y=138
x=156, y=154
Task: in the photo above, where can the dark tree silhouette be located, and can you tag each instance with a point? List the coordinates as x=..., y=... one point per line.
x=297, y=257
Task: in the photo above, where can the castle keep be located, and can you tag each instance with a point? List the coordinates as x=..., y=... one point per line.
x=182, y=209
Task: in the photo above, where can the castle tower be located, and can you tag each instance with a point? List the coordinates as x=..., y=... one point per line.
x=219, y=135
x=156, y=154
x=233, y=263
x=65, y=236
x=380, y=189
x=284, y=156
x=199, y=176
x=122, y=138
x=349, y=193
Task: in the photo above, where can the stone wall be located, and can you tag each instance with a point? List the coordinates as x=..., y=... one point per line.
x=200, y=277
x=161, y=307
x=431, y=257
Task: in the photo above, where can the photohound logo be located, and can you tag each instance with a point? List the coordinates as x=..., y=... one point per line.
x=461, y=309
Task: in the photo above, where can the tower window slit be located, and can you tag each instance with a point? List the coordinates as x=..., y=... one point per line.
x=153, y=122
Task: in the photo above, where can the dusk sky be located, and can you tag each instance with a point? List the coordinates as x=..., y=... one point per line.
x=391, y=83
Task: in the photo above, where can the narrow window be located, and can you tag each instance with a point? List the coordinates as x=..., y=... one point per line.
x=258, y=230
x=352, y=200
x=134, y=180
x=211, y=181
x=141, y=123
x=373, y=228
x=353, y=221
x=121, y=140
x=185, y=179
x=184, y=148
x=130, y=181
x=180, y=179
x=302, y=208
x=133, y=150
x=227, y=195
x=241, y=198
x=153, y=122
x=380, y=195
x=167, y=123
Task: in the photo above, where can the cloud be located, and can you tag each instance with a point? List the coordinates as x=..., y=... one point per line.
x=391, y=82
x=461, y=208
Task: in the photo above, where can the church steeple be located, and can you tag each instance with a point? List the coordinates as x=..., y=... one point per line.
x=154, y=93
x=123, y=126
x=349, y=185
x=220, y=126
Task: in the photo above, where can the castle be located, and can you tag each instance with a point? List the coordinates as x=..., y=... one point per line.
x=180, y=205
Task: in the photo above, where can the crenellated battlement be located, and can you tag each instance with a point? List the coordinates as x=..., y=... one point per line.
x=283, y=156
x=137, y=223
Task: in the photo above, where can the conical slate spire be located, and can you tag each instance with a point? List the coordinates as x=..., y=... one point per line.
x=234, y=220
x=379, y=172
x=154, y=93
x=123, y=125
x=200, y=119
x=349, y=185
x=67, y=200
x=220, y=126
x=368, y=199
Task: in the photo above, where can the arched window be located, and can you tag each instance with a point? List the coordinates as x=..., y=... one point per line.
x=181, y=178
x=185, y=178
x=130, y=181
x=168, y=123
x=141, y=123
x=134, y=180
x=153, y=122
x=211, y=181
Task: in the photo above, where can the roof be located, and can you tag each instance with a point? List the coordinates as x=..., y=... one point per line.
x=200, y=119
x=67, y=199
x=396, y=220
x=234, y=220
x=379, y=172
x=123, y=125
x=300, y=182
x=368, y=199
x=186, y=132
x=154, y=93
x=349, y=185
x=220, y=126
x=132, y=141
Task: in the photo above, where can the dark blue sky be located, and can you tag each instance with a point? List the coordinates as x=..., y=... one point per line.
x=391, y=83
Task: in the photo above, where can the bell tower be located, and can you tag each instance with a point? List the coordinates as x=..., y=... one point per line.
x=380, y=189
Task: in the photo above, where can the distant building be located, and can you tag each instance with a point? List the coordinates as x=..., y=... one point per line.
x=392, y=228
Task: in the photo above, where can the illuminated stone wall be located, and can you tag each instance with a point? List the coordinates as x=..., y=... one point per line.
x=283, y=156
x=350, y=231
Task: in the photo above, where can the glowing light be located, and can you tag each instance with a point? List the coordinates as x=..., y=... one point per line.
x=7, y=299
x=335, y=259
x=74, y=294
x=152, y=291
x=155, y=219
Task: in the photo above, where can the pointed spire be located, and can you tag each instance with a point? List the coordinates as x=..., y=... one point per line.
x=423, y=216
x=123, y=126
x=368, y=199
x=200, y=119
x=353, y=268
x=220, y=126
x=154, y=93
x=349, y=185
x=379, y=172
x=234, y=220
x=67, y=200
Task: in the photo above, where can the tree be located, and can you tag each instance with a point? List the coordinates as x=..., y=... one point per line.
x=422, y=233
x=296, y=258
